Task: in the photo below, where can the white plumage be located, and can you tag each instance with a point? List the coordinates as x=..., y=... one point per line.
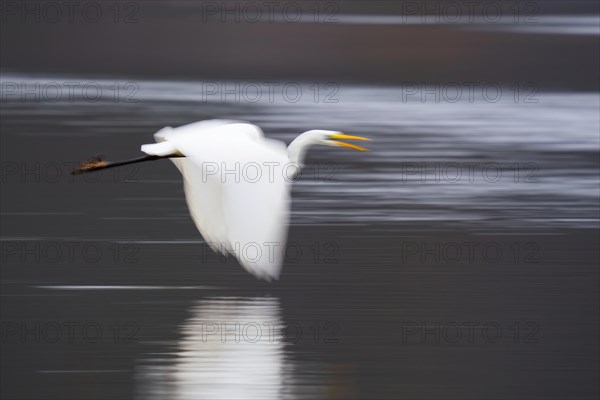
x=235, y=189
x=237, y=185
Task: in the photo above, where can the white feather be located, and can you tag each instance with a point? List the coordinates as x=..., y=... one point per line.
x=159, y=149
x=236, y=189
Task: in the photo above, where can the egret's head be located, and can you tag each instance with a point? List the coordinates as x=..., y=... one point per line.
x=297, y=149
x=334, y=138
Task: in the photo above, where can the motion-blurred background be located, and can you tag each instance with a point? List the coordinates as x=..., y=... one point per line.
x=457, y=259
x=553, y=43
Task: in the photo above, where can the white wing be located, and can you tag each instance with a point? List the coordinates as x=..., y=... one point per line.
x=236, y=189
x=165, y=148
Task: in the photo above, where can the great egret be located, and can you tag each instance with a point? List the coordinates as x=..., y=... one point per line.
x=237, y=184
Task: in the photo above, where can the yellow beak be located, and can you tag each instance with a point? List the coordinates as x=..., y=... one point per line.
x=348, y=137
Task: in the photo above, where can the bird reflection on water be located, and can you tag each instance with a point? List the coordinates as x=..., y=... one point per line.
x=230, y=348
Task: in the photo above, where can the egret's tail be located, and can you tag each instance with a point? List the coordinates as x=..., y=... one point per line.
x=160, y=149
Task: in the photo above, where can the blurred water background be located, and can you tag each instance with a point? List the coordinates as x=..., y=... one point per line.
x=500, y=156
x=483, y=133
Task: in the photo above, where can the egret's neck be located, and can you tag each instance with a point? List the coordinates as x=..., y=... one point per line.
x=297, y=149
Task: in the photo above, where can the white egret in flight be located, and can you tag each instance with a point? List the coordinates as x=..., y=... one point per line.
x=237, y=184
